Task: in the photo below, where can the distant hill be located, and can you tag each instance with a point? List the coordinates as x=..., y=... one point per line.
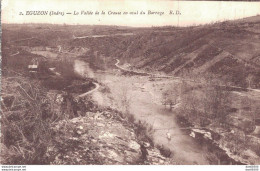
x=229, y=50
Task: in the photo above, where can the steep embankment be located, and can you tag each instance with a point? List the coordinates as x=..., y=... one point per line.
x=101, y=138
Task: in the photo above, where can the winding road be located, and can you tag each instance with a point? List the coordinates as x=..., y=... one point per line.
x=91, y=91
x=142, y=73
x=15, y=53
x=104, y=35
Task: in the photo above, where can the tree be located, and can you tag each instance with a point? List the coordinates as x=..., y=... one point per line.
x=123, y=97
x=249, y=80
x=171, y=95
x=205, y=101
x=216, y=100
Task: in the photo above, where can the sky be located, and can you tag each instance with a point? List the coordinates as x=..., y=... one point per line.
x=192, y=12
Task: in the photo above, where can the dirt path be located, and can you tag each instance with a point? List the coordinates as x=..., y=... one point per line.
x=15, y=53
x=105, y=35
x=84, y=70
x=142, y=73
x=91, y=91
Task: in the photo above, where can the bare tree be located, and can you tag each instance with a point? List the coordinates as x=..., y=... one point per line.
x=171, y=95
x=217, y=101
x=123, y=99
x=208, y=100
x=249, y=80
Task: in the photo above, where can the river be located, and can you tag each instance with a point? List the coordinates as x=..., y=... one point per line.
x=145, y=105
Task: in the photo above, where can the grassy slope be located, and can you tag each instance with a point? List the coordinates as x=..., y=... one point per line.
x=229, y=50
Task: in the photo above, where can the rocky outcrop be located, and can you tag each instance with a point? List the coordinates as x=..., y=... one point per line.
x=100, y=138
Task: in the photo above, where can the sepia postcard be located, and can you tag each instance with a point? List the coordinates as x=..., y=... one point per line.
x=131, y=82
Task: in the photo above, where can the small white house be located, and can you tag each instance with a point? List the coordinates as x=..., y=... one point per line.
x=33, y=67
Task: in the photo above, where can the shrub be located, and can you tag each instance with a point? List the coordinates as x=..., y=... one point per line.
x=25, y=124
x=166, y=152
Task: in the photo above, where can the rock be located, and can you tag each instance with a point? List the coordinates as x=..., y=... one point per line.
x=94, y=141
x=100, y=124
x=106, y=135
x=134, y=145
x=192, y=134
x=79, y=132
x=74, y=121
x=80, y=127
x=147, y=145
x=116, y=144
x=161, y=161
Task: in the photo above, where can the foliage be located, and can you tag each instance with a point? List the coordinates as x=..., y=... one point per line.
x=25, y=124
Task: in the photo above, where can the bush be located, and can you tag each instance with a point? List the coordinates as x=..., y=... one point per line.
x=166, y=152
x=144, y=132
x=25, y=124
